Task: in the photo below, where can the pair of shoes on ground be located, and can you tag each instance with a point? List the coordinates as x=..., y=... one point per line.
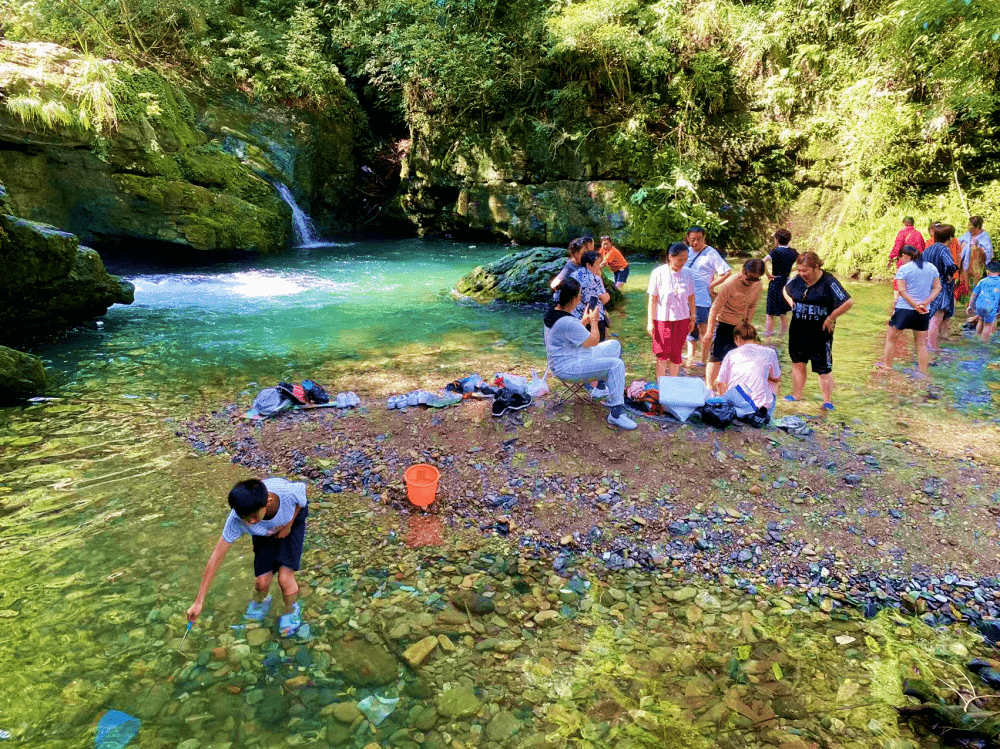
x=288, y=624
x=507, y=400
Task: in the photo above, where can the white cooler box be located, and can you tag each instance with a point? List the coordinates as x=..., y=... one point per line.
x=681, y=396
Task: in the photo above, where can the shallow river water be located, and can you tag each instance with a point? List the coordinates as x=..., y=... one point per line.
x=106, y=518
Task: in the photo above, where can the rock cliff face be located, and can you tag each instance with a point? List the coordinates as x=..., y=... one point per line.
x=509, y=190
x=163, y=170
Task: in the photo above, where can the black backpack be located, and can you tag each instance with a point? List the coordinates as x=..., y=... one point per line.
x=315, y=392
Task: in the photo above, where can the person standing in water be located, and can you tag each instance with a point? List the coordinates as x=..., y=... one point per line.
x=977, y=251
x=273, y=513
x=817, y=299
x=919, y=283
x=782, y=259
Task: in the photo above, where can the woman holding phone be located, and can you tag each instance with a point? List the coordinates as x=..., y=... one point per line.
x=576, y=355
x=593, y=295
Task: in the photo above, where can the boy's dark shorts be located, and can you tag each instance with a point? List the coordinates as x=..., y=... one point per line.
x=621, y=276
x=724, y=342
x=270, y=553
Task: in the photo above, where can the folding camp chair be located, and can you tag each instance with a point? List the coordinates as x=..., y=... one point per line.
x=564, y=391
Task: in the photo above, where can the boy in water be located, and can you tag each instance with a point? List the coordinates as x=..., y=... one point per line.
x=273, y=512
x=985, y=300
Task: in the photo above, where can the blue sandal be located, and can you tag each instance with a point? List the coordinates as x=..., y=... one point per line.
x=256, y=611
x=289, y=623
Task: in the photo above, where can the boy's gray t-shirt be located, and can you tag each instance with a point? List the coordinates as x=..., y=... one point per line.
x=290, y=496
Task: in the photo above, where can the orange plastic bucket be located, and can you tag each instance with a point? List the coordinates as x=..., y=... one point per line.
x=421, y=484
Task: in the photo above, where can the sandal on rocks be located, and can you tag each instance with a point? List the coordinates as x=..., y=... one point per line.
x=289, y=623
x=256, y=611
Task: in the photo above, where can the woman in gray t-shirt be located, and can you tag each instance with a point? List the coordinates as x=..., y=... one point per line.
x=576, y=354
x=918, y=283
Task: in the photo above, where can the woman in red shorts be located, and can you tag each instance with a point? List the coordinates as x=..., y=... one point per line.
x=671, y=314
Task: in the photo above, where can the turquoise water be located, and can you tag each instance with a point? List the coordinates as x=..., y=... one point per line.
x=106, y=518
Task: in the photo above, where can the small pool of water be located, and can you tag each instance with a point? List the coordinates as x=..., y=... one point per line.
x=106, y=518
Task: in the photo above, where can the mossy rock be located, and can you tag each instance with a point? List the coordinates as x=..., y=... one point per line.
x=21, y=375
x=522, y=277
x=50, y=283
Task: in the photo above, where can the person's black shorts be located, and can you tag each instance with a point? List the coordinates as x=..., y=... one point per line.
x=621, y=276
x=910, y=319
x=271, y=553
x=724, y=341
x=818, y=352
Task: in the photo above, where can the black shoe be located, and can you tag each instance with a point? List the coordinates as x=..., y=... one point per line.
x=507, y=400
x=502, y=401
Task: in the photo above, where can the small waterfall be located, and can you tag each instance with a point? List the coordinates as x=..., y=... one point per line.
x=305, y=235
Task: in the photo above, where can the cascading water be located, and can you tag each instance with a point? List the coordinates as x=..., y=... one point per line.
x=304, y=231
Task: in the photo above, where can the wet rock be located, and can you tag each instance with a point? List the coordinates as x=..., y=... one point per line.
x=678, y=528
x=155, y=701
x=853, y=479
x=257, y=637
x=458, y=702
x=474, y=603
x=707, y=602
x=346, y=712
x=502, y=727
x=337, y=733
x=744, y=556
x=418, y=652
x=365, y=664
x=990, y=629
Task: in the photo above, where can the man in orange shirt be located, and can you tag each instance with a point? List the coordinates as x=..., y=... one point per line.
x=612, y=257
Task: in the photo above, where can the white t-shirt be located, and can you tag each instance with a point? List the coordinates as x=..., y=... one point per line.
x=750, y=366
x=705, y=265
x=672, y=292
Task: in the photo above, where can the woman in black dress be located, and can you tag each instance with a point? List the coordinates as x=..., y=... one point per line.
x=782, y=259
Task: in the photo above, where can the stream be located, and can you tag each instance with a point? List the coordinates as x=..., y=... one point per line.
x=106, y=517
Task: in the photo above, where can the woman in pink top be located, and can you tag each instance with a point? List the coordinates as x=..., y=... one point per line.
x=671, y=316
x=750, y=373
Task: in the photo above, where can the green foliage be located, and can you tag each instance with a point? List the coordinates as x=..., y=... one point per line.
x=87, y=97
x=707, y=107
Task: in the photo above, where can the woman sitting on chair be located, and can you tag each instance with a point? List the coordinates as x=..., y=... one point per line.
x=577, y=355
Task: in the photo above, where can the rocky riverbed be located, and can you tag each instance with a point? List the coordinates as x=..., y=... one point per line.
x=573, y=586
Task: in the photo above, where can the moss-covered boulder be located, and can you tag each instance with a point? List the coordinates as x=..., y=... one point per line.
x=50, y=283
x=522, y=276
x=21, y=375
x=140, y=167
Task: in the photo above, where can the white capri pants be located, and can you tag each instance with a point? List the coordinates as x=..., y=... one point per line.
x=601, y=362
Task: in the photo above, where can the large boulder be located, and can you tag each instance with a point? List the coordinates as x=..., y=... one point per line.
x=49, y=282
x=21, y=375
x=522, y=277
x=162, y=169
